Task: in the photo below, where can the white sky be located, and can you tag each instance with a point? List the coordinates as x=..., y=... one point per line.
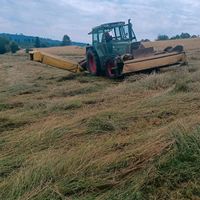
x=54, y=18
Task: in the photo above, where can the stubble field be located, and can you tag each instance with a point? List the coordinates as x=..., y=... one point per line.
x=75, y=136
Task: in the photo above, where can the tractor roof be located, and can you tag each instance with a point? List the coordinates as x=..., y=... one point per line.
x=107, y=26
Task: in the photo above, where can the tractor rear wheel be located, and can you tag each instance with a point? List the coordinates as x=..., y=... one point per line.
x=93, y=63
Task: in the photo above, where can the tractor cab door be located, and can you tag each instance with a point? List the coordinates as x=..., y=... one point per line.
x=107, y=43
x=96, y=38
x=103, y=44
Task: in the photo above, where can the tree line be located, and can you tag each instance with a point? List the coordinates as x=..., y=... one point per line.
x=7, y=45
x=181, y=36
x=66, y=41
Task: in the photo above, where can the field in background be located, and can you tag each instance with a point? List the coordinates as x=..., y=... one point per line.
x=189, y=44
x=74, y=136
x=67, y=50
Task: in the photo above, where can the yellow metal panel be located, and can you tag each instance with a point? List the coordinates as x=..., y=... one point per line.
x=36, y=56
x=55, y=61
x=154, y=62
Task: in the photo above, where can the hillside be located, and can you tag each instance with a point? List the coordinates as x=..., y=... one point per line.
x=25, y=41
x=75, y=136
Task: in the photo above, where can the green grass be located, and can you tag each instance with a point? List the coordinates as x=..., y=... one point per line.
x=21, y=89
x=98, y=125
x=177, y=173
x=71, y=105
x=174, y=175
x=181, y=87
x=7, y=124
x=81, y=137
x=5, y=107
x=8, y=106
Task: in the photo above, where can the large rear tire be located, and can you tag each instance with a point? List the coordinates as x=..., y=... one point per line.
x=93, y=63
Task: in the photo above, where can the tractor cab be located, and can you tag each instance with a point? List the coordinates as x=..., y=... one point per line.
x=113, y=38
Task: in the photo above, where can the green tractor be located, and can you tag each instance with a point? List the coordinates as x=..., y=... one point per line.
x=115, y=51
x=109, y=42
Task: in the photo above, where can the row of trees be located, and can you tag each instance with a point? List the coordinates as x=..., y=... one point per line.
x=181, y=36
x=7, y=46
x=66, y=41
x=10, y=46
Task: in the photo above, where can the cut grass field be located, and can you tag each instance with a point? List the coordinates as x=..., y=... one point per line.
x=75, y=136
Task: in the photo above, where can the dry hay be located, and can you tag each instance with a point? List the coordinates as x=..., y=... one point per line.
x=82, y=137
x=189, y=44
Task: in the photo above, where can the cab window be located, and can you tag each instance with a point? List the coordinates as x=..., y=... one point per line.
x=95, y=37
x=117, y=33
x=125, y=33
x=100, y=35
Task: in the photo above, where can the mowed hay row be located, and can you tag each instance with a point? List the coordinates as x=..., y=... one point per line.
x=75, y=136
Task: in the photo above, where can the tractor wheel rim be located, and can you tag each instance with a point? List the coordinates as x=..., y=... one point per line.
x=92, y=64
x=109, y=69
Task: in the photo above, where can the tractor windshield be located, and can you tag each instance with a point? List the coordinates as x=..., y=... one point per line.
x=119, y=33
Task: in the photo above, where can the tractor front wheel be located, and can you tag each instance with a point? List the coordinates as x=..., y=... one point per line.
x=93, y=64
x=114, y=69
x=110, y=71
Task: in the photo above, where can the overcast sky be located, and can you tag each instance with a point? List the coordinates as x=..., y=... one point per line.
x=54, y=18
